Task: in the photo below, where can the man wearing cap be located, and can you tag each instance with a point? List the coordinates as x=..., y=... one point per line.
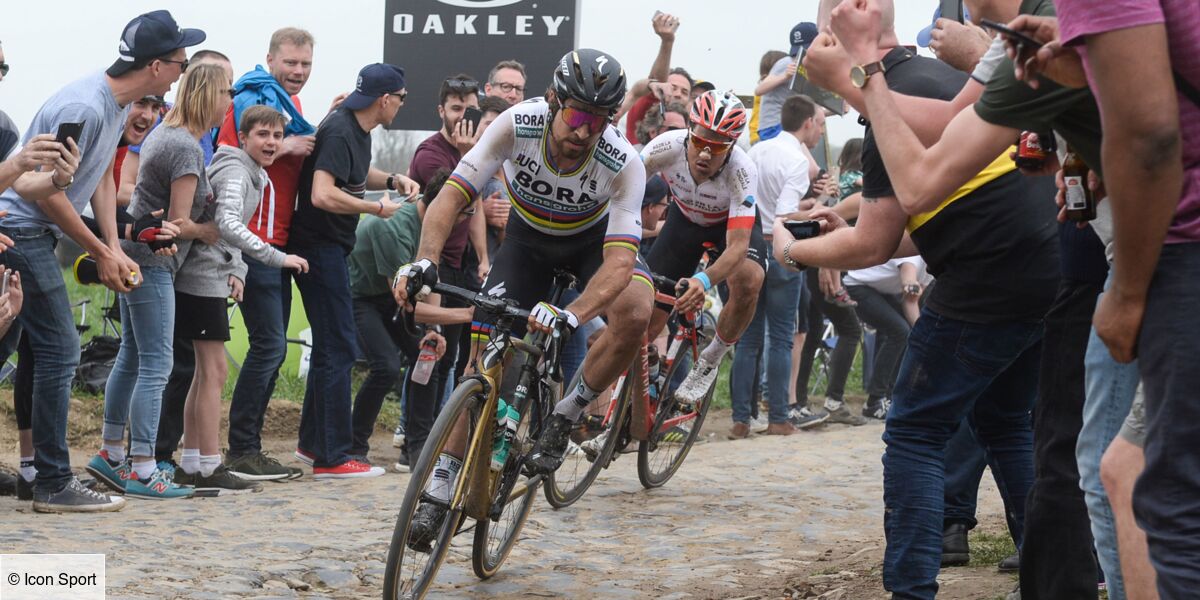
x=331, y=197
x=42, y=206
x=777, y=85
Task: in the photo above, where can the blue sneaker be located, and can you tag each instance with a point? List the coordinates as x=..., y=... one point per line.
x=115, y=475
x=159, y=486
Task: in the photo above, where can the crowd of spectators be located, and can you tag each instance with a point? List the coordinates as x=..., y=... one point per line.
x=998, y=332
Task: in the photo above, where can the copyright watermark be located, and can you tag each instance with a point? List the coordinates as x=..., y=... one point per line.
x=51, y=576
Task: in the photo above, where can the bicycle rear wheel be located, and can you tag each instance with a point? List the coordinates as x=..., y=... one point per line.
x=580, y=468
x=495, y=539
x=410, y=570
x=675, y=431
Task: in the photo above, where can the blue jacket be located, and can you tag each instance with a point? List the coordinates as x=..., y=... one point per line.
x=259, y=87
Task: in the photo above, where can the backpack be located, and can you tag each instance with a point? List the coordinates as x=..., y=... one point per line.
x=95, y=363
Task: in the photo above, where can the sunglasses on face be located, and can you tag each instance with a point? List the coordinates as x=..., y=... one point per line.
x=713, y=148
x=183, y=64
x=576, y=118
x=4, y=69
x=401, y=95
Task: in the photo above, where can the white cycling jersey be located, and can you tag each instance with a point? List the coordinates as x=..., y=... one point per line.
x=726, y=198
x=610, y=181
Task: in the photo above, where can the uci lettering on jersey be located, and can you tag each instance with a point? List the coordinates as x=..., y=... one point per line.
x=726, y=198
x=549, y=200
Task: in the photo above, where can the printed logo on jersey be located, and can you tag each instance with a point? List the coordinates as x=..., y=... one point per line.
x=748, y=202
x=743, y=178
x=609, y=155
x=529, y=126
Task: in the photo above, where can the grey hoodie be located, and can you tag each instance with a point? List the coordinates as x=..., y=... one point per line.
x=237, y=182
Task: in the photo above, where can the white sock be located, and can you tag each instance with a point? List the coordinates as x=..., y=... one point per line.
x=28, y=472
x=115, y=453
x=144, y=467
x=445, y=472
x=209, y=463
x=190, y=463
x=716, y=350
x=576, y=401
x=832, y=405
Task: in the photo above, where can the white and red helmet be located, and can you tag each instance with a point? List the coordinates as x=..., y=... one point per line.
x=721, y=112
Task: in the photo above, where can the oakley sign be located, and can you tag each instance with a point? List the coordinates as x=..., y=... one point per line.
x=434, y=39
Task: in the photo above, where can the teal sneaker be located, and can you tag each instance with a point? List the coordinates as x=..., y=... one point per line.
x=159, y=486
x=115, y=475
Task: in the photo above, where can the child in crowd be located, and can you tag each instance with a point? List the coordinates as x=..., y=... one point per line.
x=214, y=272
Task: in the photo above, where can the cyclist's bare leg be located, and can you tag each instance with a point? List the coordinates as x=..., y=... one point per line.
x=658, y=322
x=614, y=350
x=737, y=313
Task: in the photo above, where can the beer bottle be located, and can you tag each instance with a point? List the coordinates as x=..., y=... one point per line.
x=1080, y=204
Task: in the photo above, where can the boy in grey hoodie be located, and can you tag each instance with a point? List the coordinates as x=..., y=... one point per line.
x=212, y=273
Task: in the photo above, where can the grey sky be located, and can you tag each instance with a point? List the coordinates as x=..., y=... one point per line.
x=718, y=41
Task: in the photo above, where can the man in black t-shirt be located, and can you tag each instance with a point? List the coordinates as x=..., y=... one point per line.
x=333, y=182
x=975, y=351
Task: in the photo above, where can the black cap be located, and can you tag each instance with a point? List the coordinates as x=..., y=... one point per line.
x=656, y=190
x=374, y=81
x=152, y=35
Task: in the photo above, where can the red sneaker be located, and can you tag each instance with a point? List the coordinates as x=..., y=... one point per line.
x=348, y=470
x=304, y=457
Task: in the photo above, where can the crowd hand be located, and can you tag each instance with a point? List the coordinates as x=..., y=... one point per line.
x=439, y=342
x=692, y=296
x=386, y=207
x=545, y=316
x=337, y=101
x=1118, y=320
x=858, y=25
x=208, y=233
x=665, y=26
x=1052, y=61
x=826, y=63
x=152, y=230
x=465, y=136
x=959, y=45
x=421, y=273
x=495, y=210
x=406, y=186
x=295, y=263
x=12, y=299
x=299, y=145
x=5, y=241
x=485, y=267
x=42, y=150
x=1095, y=184
x=118, y=272
x=1050, y=167
x=828, y=186
x=830, y=220
x=236, y=287
x=830, y=280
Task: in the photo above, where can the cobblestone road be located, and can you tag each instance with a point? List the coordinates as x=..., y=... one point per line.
x=762, y=518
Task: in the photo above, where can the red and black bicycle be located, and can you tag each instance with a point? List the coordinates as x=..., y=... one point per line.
x=640, y=408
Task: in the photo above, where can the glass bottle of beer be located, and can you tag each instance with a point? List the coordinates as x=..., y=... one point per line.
x=1080, y=204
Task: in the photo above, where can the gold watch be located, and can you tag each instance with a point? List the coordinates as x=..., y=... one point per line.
x=860, y=74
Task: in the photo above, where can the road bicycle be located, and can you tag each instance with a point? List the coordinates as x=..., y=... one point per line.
x=640, y=409
x=528, y=373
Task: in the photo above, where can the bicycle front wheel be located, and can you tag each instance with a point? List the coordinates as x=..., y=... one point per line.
x=674, y=433
x=412, y=563
x=593, y=452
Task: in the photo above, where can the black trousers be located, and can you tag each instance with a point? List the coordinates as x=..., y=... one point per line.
x=1056, y=558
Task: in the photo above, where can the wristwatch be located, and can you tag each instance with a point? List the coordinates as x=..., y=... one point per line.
x=391, y=182
x=787, y=257
x=860, y=74
x=61, y=188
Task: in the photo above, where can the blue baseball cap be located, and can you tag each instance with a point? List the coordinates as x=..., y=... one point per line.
x=374, y=81
x=925, y=36
x=656, y=190
x=152, y=35
x=802, y=36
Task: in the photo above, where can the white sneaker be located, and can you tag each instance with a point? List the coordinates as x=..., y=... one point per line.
x=760, y=424
x=398, y=437
x=699, y=380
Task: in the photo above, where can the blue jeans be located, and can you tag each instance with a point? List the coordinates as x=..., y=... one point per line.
x=325, y=422
x=47, y=322
x=1166, y=499
x=775, y=316
x=951, y=370
x=135, y=386
x=1109, y=388
x=266, y=306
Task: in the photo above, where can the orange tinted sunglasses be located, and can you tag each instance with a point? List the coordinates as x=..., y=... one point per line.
x=714, y=148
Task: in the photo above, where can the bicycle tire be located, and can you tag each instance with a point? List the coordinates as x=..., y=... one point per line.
x=650, y=475
x=394, y=588
x=562, y=496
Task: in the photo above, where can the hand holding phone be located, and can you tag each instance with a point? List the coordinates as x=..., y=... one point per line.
x=803, y=230
x=473, y=115
x=1017, y=37
x=69, y=130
